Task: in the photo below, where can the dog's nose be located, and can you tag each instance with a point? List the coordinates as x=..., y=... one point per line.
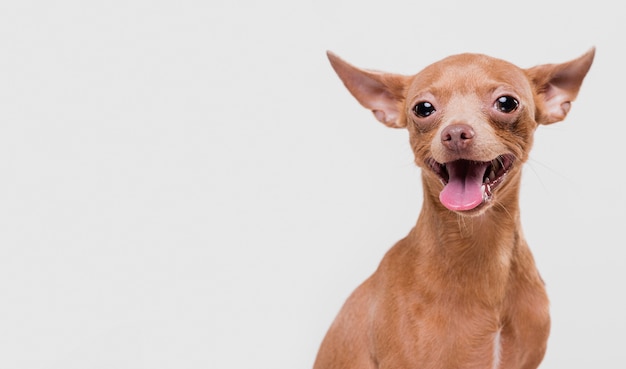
x=457, y=136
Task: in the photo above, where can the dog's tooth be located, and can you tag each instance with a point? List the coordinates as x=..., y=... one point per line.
x=492, y=175
x=486, y=189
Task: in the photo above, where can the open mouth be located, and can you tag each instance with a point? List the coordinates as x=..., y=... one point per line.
x=469, y=183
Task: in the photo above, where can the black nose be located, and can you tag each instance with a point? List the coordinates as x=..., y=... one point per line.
x=457, y=136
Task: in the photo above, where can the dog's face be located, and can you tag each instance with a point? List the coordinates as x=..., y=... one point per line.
x=470, y=119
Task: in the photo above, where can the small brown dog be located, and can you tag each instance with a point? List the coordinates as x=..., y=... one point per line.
x=461, y=290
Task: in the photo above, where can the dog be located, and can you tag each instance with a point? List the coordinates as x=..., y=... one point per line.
x=461, y=290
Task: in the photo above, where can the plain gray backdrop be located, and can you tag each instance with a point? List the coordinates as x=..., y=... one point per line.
x=187, y=184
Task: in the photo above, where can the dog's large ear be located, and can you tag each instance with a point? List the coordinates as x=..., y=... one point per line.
x=556, y=86
x=382, y=93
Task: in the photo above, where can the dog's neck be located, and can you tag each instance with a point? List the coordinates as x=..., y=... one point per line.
x=476, y=249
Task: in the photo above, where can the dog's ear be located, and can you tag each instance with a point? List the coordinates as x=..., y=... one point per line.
x=382, y=93
x=556, y=86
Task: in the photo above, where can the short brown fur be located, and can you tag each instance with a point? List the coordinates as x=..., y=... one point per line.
x=461, y=290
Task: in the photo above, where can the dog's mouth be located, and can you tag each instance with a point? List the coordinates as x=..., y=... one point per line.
x=468, y=183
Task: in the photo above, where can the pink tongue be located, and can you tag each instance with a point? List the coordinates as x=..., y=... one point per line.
x=464, y=189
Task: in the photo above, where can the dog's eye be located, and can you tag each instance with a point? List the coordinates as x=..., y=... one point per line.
x=423, y=109
x=506, y=104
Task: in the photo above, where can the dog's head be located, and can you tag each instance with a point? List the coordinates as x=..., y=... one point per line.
x=470, y=118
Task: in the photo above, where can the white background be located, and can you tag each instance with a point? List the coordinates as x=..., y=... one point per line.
x=187, y=184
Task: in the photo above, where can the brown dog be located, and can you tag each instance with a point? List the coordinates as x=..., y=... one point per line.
x=461, y=291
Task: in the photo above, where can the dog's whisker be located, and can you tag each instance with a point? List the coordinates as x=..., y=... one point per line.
x=532, y=161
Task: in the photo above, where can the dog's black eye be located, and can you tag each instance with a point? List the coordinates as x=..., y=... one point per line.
x=506, y=104
x=423, y=109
